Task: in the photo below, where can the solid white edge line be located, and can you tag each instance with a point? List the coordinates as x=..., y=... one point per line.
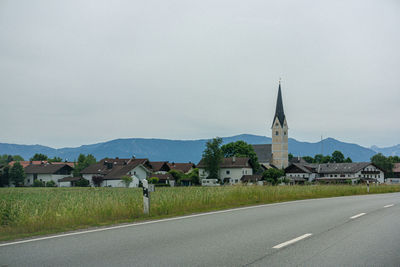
x=358, y=215
x=388, y=206
x=287, y=243
x=173, y=219
x=151, y=222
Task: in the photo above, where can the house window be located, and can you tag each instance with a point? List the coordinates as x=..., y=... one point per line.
x=228, y=172
x=29, y=180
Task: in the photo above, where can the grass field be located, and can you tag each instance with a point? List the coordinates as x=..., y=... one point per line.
x=36, y=211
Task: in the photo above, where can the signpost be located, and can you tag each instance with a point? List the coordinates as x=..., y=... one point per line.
x=147, y=188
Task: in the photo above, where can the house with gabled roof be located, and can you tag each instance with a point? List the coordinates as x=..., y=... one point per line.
x=111, y=171
x=231, y=170
x=336, y=172
x=46, y=172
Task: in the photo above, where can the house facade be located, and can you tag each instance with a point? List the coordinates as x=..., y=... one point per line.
x=46, y=172
x=110, y=172
x=231, y=170
x=336, y=172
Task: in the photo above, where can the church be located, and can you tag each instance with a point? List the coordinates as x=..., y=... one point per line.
x=275, y=154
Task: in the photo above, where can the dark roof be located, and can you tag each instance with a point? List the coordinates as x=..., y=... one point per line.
x=183, y=167
x=233, y=162
x=279, y=113
x=70, y=179
x=299, y=168
x=263, y=152
x=298, y=160
x=47, y=168
x=342, y=167
x=114, y=169
x=162, y=177
x=157, y=166
x=251, y=178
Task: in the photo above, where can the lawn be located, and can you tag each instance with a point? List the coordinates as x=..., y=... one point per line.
x=36, y=211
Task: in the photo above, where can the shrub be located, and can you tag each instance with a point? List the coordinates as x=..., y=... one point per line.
x=153, y=180
x=38, y=183
x=127, y=180
x=97, y=180
x=82, y=183
x=51, y=184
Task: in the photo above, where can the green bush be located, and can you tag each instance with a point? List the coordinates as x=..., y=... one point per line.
x=82, y=183
x=162, y=185
x=38, y=183
x=153, y=180
x=51, y=184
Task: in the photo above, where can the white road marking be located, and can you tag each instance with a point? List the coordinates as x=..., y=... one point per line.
x=358, y=215
x=287, y=243
x=151, y=222
x=388, y=206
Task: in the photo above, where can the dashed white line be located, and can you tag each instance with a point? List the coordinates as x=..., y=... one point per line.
x=388, y=206
x=358, y=215
x=287, y=243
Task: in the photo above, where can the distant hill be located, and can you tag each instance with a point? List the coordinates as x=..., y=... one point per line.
x=388, y=151
x=180, y=150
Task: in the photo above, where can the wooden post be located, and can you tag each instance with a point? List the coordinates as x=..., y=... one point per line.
x=367, y=186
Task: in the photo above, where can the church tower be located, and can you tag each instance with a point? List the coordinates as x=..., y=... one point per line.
x=279, y=135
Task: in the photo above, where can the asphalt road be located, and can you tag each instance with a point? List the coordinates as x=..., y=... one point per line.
x=344, y=231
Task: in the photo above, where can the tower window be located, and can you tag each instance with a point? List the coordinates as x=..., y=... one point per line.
x=276, y=124
x=284, y=133
x=276, y=133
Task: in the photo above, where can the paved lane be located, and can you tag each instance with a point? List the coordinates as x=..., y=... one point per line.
x=328, y=236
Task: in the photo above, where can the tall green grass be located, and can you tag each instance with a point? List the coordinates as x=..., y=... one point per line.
x=34, y=211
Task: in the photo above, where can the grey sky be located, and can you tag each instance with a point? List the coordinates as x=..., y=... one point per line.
x=78, y=72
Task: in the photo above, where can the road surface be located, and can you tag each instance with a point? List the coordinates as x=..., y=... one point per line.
x=344, y=231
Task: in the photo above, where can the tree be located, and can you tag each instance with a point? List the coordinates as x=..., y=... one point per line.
x=83, y=162
x=97, y=180
x=39, y=157
x=348, y=160
x=55, y=159
x=212, y=157
x=337, y=157
x=5, y=176
x=153, y=180
x=384, y=163
x=194, y=176
x=17, y=174
x=318, y=158
x=127, y=180
x=326, y=159
x=290, y=156
x=394, y=159
x=308, y=159
x=5, y=159
x=241, y=149
x=272, y=175
x=178, y=175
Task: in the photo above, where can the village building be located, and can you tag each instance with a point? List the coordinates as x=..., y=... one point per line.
x=231, y=170
x=110, y=172
x=275, y=154
x=335, y=172
x=395, y=179
x=46, y=172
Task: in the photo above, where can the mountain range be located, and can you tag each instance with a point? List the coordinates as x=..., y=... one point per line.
x=189, y=150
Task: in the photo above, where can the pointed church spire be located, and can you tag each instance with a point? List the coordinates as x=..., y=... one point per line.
x=279, y=107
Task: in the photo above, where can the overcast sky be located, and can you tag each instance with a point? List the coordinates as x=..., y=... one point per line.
x=81, y=72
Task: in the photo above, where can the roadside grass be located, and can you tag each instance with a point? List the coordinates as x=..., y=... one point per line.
x=28, y=212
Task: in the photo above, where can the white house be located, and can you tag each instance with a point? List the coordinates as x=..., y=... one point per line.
x=231, y=170
x=46, y=172
x=110, y=171
x=336, y=172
